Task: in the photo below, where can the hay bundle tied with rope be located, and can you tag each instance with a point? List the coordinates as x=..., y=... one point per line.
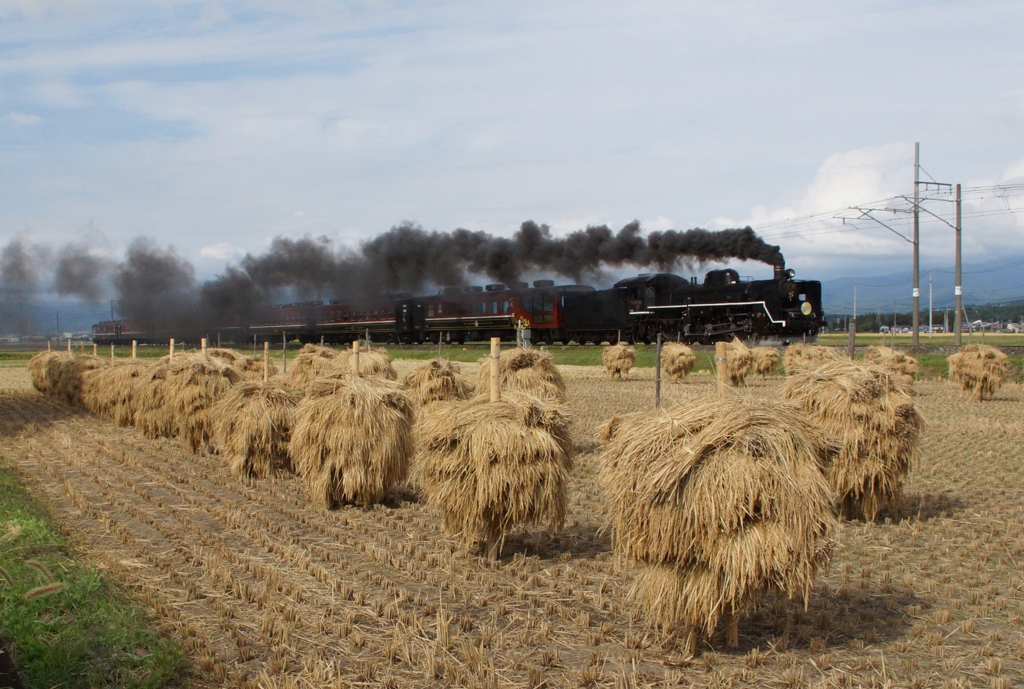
x=526, y=370
x=800, y=357
x=719, y=503
x=192, y=384
x=44, y=368
x=127, y=381
x=677, y=360
x=438, y=380
x=979, y=369
x=902, y=365
x=489, y=467
x=619, y=359
x=875, y=428
x=312, y=362
x=766, y=360
x=147, y=402
x=353, y=439
x=253, y=425
x=740, y=360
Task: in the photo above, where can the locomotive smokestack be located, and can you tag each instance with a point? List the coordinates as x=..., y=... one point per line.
x=780, y=270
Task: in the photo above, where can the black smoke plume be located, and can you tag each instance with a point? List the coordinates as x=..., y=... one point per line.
x=156, y=288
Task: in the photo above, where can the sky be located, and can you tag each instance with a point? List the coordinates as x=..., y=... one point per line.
x=213, y=127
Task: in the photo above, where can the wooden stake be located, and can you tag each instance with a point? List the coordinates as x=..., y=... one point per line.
x=657, y=375
x=284, y=352
x=69, y=345
x=111, y=351
x=495, y=358
x=135, y=349
x=94, y=349
x=355, y=357
x=47, y=345
x=721, y=361
x=492, y=547
x=266, y=361
x=732, y=629
x=202, y=345
x=170, y=353
x=853, y=339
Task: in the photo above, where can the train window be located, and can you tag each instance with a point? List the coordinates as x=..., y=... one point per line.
x=483, y=307
x=440, y=308
x=494, y=308
x=548, y=303
x=504, y=306
x=430, y=310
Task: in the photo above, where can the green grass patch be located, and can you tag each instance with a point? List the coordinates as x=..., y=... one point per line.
x=69, y=625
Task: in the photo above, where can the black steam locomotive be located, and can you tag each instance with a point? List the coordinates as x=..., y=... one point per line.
x=636, y=309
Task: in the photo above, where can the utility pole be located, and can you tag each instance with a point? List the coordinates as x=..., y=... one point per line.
x=58, y=326
x=958, y=290
x=917, y=242
x=111, y=309
x=930, y=272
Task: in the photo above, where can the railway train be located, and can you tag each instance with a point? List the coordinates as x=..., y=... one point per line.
x=635, y=309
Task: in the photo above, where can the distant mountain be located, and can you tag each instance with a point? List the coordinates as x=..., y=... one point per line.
x=997, y=281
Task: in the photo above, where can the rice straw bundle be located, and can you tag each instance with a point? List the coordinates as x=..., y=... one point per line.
x=252, y=367
x=438, y=380
x=253, y=425
x=766, y=360
x=677, y=360
x=127, y=384
x=352, y=440
x=489, y=467
x=739, y=362
x=799, y=357
x=147, y=402
x=979, y=369
x=312, y=362
x=67, y=372
x=43, y=368
x=228, y=356
x=372, y=362
x=104, y=389
x=901, y=365
x=192, y=385
x=875, y=426
x=720, y=504
x=619, y=359
x=527, y=370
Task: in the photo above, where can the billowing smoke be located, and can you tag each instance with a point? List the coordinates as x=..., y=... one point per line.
x=156, y=289
x=20, y=266
x=79, y=273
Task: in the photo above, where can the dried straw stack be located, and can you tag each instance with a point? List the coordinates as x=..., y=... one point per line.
x=740, y=360
x=527, y=370
x=800, y=357
x=106, y=391
x=720, y=504
x=979, y=369
x=43, y=368
x=619, y=359
x=766, y=360
x=677, y=360
x=353, y=439
x=192, y=384
x=875, y=427
x=489, y=467
x=253, y=425
x=438, y=380
x=372, y=362
x=312, y=362
x=252, y=367
x=901, y=365
x=67, y=372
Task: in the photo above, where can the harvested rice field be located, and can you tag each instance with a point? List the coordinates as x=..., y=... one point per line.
x=268, y=589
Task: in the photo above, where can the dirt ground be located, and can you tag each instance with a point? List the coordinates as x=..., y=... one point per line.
x=267, y=590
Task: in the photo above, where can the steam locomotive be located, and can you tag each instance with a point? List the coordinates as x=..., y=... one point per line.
x=636, y=309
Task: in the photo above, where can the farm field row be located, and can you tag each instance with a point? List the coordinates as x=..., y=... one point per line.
x=262, y=587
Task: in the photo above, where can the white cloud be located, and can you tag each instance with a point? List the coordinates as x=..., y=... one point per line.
x=21, y=119
x=221, y=250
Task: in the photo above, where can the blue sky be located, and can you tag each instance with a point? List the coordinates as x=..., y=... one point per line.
x=215, y=126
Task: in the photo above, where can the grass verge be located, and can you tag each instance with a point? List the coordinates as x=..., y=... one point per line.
x=69, y=625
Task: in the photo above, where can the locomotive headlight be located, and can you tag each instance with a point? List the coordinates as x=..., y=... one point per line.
x=805, y=308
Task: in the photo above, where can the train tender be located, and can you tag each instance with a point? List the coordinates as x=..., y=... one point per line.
x=637, y=309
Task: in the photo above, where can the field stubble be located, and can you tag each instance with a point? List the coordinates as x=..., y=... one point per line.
x=264, y=588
